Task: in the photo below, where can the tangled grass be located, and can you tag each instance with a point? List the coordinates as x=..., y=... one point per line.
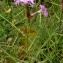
x=37, y=42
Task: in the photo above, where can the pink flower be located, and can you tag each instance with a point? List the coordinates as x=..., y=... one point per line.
x=17, y=2
x=44, y=10
x=30, y=2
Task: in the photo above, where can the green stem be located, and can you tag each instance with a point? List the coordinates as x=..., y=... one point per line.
x=60, y=23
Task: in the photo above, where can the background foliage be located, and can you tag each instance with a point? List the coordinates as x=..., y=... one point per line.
x=37, y=42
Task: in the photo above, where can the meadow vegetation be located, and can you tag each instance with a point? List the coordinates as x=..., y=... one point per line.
x=37, y=41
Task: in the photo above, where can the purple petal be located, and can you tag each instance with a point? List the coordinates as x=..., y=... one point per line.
x=17, y=2
x=30, y=2
x=44, y=10
x=45, y=13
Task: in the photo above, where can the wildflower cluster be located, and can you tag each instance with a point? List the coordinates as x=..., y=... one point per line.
x=42, y=10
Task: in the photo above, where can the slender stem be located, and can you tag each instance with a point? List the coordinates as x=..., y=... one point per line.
x=60, y=22
x=28, y=21
x=28, y=13
x=40, y=20
x=60, y=19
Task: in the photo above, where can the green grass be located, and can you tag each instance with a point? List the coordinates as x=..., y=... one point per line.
x=38, y=42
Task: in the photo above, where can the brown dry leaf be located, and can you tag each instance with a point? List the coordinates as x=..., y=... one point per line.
x=21, y=52
x=30, y=32
x=26, y=43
